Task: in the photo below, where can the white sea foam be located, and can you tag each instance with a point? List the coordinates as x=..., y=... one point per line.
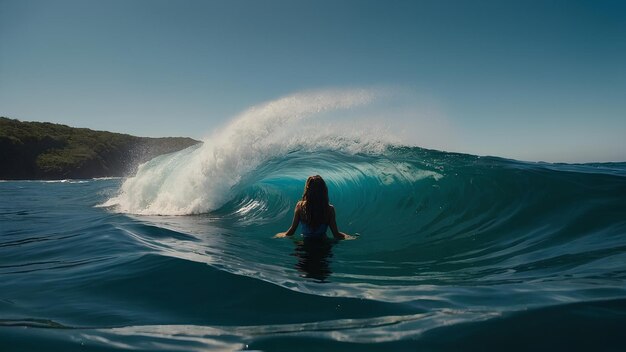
x=64, y=181
x=199, y=179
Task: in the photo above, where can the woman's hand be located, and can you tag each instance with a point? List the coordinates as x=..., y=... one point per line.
x=280, y=235
x=345, y=236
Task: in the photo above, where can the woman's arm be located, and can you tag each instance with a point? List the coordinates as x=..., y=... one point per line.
x=333, y=227
x=294, y=223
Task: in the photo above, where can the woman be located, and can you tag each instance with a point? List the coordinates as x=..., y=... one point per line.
x=315, y=213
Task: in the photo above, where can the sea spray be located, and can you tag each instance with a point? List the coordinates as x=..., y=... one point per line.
x=199, y=179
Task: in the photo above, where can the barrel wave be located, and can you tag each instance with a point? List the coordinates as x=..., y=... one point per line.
x=454, y=251
x=435, y=220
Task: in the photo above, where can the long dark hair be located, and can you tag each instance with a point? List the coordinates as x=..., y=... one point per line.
x=314, y=203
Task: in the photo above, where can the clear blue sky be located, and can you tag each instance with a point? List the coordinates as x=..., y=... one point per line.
x=534, y=80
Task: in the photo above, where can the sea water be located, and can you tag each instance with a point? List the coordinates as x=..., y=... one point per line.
x=454, y=252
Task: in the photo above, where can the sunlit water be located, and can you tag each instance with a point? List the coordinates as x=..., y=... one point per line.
x=455, y=252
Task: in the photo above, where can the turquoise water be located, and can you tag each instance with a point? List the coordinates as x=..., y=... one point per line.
x=455, y=252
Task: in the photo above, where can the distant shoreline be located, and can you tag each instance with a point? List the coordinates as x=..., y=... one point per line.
x=38, y=151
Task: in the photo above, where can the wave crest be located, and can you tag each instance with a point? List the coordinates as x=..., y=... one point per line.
x=200, y=179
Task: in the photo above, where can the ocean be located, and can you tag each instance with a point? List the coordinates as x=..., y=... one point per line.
x=455, y=252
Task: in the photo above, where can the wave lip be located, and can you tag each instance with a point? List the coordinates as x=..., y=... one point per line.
x=199, y=179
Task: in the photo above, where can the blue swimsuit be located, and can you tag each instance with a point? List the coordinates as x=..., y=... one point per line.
x=318, y=232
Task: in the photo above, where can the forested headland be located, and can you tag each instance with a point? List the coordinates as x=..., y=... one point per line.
x=43, y=150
